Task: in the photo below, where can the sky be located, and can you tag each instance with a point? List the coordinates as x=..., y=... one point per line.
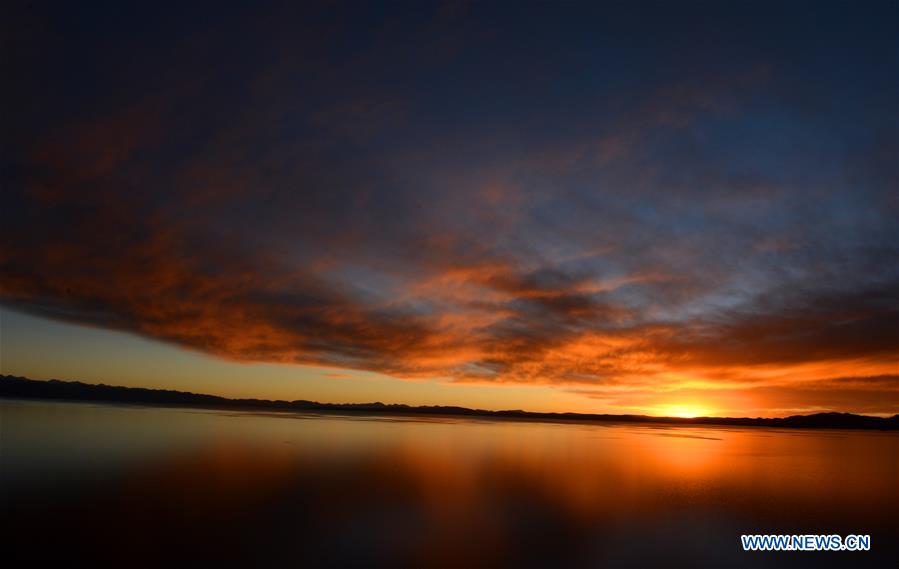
x=667, y=208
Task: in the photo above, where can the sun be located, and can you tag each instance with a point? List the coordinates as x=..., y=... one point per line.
x=683, y=411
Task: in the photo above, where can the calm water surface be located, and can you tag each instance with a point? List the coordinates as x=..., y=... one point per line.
x=135, y=486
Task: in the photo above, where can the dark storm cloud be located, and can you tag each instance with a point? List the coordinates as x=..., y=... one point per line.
x=548, y=194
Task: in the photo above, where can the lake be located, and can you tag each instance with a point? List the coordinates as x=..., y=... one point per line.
x=137, y=486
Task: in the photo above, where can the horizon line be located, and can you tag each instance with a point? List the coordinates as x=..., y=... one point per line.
x=113, y=394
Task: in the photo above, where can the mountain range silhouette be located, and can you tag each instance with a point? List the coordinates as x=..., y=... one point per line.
x=15, y=387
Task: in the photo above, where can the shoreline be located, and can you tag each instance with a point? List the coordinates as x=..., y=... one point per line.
x=12, y=387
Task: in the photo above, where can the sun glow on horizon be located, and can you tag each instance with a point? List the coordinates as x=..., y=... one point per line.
x=683, y=411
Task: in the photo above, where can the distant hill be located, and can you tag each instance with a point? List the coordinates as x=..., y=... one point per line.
x=24, y=388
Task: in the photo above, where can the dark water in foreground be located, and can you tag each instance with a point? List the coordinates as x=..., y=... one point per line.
x=146, y=486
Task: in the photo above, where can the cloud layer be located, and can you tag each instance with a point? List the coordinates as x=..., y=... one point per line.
x=621, y=202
